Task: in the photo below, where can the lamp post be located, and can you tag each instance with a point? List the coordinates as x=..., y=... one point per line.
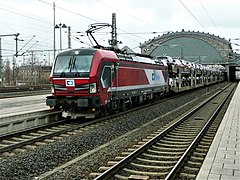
x=60, y=26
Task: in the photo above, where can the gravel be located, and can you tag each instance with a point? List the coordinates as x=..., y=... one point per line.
x=32, y=163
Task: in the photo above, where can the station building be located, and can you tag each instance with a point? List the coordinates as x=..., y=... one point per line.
x=197, y=47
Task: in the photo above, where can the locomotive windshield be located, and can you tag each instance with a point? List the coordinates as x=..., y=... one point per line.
x=73, y=66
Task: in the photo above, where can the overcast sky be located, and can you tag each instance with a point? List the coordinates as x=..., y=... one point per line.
x=136, y=21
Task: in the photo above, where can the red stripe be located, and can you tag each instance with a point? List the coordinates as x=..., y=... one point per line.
x=130, y=77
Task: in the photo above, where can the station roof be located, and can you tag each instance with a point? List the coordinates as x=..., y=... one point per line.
x=193, y=46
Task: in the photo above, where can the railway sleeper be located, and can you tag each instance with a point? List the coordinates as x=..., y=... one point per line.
x=64, y=126
x=168, y=163
x=3, y=145
x=187, y=176
x=207, y=136
x=211, y=133
x=194, y=164
x=202, y=150
x=119, y=158
x=18, y=139
x=205, y=143
x=191, y=170
x=103, y=168
x=167, y=158
x=112, y=163
x=178, y=139
x=132, y=177
x=44, y=132
x=150, y=167
x=186, y=134
x=214, y=126
x=37, y=134
x=27, y=136
x=19, y=150
x=203, y=146
x=57, y=128
x=174, y=142
x=57, y=138
x=168, y=149
x=9, y=142
x=199, y=154
x=30, y=147
x=187, y=129
x=198, y=159
x=151, y=174
x=94, y=175
x=121, y=177
x=208, y=140
x=52, y=130
x=172, y=145
x=165, y=152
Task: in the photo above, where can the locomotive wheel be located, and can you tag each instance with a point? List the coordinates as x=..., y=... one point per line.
x=123, y=106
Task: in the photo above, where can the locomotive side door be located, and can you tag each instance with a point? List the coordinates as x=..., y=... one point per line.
x=114, y=79
x=109, y=80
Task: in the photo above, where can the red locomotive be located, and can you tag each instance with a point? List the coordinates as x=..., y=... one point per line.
x=94, y=82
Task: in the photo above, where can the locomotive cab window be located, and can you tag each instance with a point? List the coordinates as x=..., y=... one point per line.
x=70, y=66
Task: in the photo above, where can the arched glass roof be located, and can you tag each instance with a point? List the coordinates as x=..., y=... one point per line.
x=191, y=49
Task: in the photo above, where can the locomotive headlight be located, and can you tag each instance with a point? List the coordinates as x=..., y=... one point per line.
x=93, y=88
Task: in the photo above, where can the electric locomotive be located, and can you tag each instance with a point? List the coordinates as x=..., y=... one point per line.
x=92, y=82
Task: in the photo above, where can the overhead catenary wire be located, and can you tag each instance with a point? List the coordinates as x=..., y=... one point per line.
x=76, y=13
x=27, y=16
x=130, y=15
x=192, y=15
x=36, y=18
x=86, y=17
x=205, y=10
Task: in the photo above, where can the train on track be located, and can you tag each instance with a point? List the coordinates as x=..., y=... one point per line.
x=91, y=82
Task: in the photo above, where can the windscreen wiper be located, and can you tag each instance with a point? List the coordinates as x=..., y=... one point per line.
x=70, y=64
x=74, y=62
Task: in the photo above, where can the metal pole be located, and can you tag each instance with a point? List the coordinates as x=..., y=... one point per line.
x=32, y=83
x=54, y=35
x=1, y=79
x=60, y=37
x=69, y=37
x=114, y=42
x=16, y=44
x=13, y=71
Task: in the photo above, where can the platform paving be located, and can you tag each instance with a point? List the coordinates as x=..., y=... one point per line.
x=223, y=159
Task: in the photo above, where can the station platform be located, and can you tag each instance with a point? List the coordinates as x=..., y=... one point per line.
x=223, y=159
x=22, y=105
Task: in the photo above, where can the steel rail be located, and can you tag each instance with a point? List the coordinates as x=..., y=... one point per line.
x=111, y=171
x=183, y=158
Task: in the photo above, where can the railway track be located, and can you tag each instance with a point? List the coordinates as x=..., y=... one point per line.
x=174, y=153
x=19, y=91
x=26, y=139
x=46, y=159
x=16, y=140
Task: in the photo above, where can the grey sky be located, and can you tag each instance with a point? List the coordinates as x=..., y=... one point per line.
x=35, y=18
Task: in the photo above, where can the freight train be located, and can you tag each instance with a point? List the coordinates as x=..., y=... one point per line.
x=90, y=82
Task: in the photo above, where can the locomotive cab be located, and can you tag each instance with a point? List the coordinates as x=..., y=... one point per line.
x=73, y=88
